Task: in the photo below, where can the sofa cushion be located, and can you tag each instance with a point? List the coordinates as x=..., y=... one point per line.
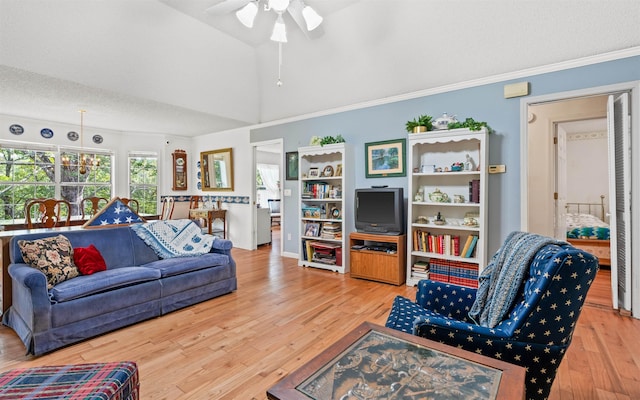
x=181, y=265
x=88, y=260
x=53, y=256
x=86, y=285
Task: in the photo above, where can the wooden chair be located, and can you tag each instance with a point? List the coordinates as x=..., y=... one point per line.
x=94, y=202
x=167, y=207
x=47, y=213
x=194, y=202
x=132, y=203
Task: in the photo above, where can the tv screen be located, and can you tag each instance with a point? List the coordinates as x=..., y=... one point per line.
x=380, y=210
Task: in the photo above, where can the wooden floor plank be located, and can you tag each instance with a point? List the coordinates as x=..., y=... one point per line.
x=282, y=315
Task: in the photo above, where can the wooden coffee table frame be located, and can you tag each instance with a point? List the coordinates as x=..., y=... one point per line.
x=512, y=381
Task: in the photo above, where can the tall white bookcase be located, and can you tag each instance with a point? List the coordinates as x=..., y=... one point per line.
x=325, y=201
x=454, y=163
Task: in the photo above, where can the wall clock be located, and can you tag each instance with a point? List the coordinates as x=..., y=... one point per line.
x=179, y=169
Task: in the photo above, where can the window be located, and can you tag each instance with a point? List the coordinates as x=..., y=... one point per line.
x=31, y=171
x=143, y=181
x=95, y=181
x=24, y=174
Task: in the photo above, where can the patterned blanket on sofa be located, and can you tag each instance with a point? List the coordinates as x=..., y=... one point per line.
x=174, y=238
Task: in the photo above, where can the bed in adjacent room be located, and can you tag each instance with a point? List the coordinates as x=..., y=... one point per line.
x=587, y=229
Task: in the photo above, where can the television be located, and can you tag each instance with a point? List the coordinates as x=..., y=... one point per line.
x=380, y=210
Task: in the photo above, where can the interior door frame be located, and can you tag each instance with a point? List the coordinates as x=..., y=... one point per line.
x=255, y=145
x=634, y=88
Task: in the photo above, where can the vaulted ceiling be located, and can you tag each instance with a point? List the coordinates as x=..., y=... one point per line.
x=167, y=66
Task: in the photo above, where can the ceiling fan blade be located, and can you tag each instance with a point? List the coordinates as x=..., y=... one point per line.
x=295, y=10
x=226, y=6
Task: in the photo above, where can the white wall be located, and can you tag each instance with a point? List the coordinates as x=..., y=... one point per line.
x=587, y=167
x=239, y=216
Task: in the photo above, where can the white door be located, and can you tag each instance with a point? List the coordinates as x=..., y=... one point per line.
x=560, y=223
x=618, y=119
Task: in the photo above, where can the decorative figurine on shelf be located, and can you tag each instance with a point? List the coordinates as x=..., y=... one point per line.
x=422, y=220
x=469, y=165
x=458, y=198
x=419, y=197
x=438, y=219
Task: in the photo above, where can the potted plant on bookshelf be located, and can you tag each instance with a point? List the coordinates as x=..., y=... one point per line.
x=421, y=124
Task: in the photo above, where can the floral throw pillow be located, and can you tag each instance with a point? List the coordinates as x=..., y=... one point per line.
x=53, y=256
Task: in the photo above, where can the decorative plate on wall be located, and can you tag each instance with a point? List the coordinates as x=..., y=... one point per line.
x=97, y=139
x=73, y=136
x=16, y=129
x=46, y=133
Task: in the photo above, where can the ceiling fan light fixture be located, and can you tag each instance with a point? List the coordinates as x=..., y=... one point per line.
x=247, y=14
x=279, y=33
x=278, y=5
x=311, y=17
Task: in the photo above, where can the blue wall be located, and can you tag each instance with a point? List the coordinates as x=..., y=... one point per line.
x=483, y=103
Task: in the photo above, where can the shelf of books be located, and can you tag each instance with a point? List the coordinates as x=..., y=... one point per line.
x=323, y=206
x=447, y=206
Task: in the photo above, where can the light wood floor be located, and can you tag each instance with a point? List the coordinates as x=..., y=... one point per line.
x=282, y=315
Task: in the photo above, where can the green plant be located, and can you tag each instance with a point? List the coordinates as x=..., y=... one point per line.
x=422, y=120
x=470, y=124
x=316, y=140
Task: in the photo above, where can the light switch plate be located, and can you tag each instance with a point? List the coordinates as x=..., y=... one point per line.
x=497, y=169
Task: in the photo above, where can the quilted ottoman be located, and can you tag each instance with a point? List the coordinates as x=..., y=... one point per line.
x=108, y=381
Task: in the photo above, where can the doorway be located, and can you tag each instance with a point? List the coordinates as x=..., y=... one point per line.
x=547, y=123
x=267, y=191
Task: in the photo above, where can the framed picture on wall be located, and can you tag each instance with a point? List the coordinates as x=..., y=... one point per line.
x=385, y=159
x=291, y=162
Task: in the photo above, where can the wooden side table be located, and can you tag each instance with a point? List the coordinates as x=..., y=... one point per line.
x=210, y=215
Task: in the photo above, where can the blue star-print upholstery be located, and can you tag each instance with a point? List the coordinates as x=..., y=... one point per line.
x=534, y=334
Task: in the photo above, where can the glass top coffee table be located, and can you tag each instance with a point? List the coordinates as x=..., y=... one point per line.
x=374, y=362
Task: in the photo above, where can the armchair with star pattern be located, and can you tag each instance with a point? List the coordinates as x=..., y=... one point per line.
x=534, y=334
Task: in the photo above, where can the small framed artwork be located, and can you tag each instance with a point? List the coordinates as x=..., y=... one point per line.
x=291, y=162
x=311, y=229
x=385, y=159
x=338, y=170
x=314, y=173
x=327, y=171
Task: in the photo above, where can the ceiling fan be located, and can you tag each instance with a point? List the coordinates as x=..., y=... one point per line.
x=246, y=10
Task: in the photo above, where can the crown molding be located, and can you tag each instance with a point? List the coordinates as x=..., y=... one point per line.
x=564, y=65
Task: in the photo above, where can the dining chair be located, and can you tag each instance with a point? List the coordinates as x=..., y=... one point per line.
x=132, y=203
x=47, y=213
x=92, y=205
x=194, y=202
x=167, y=207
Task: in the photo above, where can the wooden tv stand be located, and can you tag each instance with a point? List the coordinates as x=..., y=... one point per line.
x=377, y=264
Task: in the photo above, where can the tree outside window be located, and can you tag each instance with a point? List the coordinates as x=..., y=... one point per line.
x=143, y=182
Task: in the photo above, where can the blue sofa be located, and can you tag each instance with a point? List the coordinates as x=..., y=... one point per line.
x=136, y=286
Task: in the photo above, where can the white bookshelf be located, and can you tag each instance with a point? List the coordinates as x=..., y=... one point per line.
x=323, y=203
x=431, y=156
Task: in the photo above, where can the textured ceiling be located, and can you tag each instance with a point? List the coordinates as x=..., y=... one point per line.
x=168, y=67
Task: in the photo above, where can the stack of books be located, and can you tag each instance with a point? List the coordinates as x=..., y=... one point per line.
x=325, y=253
x=331, y=230
x=420, y=269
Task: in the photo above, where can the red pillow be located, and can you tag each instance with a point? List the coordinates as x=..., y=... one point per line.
x=88, y=260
